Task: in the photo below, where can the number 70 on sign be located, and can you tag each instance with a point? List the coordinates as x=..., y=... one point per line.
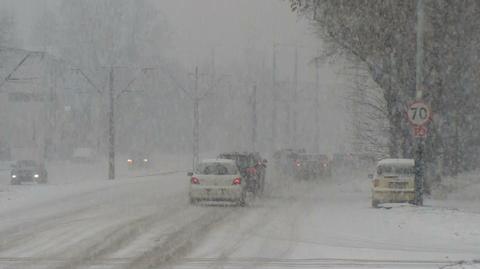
x=418, y=113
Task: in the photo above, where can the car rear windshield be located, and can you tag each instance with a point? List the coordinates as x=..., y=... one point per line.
x=397, y=170
x=26, y=163
x=216, y=169
x=242, y=161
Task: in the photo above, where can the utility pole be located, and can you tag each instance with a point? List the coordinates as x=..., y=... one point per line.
x=274, y=99
x=295, y=99
x=196, y=122
x=212, y=66
x=196, y=98
x=111, y=127
x=317, y=106
x=420, y=143
x=112, y=97
x=254, y=117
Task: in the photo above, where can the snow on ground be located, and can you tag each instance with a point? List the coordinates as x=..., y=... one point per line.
x=460, y=192
x=67, y=178
x=143, y=220
x=323, y=224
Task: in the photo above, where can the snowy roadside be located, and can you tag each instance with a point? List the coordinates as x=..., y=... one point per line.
x=460, y=193
x=67, y=179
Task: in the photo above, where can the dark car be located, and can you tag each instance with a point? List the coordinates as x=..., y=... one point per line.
x=284, y=159
x=28, y=171
x=251, y=166
x=138, y=160
x=312, y=166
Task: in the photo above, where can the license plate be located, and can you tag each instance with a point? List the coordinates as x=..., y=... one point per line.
x=397, y=185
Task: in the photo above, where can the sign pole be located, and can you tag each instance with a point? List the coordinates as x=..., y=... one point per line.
x=419, y=156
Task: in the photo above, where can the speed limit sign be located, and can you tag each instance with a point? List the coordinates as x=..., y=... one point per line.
x=418, y=113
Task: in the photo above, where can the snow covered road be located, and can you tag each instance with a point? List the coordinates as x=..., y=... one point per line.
x=146, y=222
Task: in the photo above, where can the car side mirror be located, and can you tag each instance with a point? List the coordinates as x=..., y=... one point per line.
x=370, y=176
x=190, y=174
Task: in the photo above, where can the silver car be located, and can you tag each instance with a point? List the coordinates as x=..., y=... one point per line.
x=217, y=180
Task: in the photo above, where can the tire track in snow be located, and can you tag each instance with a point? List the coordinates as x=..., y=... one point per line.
x=271, y=262
x=98, y=244
x=177, y=244
x=252, y=262
x=110, y=241
x=15, y=236
x=75, y=208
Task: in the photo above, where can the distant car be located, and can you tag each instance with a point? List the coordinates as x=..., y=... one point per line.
x=252, y=168
x=312, y=166
x=83, y=155
x=285, y=158
x=138, y=160
x=217, y=180
x=28, y=171
x=393, y=182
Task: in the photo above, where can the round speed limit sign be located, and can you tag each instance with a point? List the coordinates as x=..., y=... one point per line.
x=418, y=113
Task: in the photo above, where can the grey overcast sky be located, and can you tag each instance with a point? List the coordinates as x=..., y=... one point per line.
x=228, y=26
x=197, y=25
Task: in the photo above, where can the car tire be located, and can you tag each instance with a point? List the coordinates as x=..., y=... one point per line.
x=242, y=201
x=262, y=186
x=375, y=203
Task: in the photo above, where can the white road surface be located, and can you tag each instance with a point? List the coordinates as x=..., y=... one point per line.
x=143, y=220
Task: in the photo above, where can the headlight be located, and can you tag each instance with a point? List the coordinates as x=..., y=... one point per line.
x=129, y=161
x=36, y=176
x=145, y=160
x=14, y=176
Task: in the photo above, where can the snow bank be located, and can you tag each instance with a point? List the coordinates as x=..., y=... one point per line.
x=460, y=192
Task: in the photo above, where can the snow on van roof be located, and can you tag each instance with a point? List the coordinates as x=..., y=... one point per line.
x=406, y=162
x=218, y=161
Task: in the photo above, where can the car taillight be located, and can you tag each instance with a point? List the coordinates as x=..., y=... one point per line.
x=297, y=163
x=376, y=182
x=194, y=180
x=129, y=161
x=237, y=181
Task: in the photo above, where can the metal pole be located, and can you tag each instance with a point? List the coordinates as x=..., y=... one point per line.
x=295, y=99
x=274, y=99
x=111, y=129
x=317, y=107
x=196, y=122
x=419, y=50
x=254, y=118
x=419, y=153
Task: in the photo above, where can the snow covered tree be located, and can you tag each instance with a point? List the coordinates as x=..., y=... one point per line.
x=382, y=36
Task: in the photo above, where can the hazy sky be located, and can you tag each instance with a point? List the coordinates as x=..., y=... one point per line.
x=229, y=26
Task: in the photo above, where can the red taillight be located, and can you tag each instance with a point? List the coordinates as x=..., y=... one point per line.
x=194, y=180
x=237, y=181
x=376, y=182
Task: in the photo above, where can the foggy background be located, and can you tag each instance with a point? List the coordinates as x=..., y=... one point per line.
x=231, y=42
